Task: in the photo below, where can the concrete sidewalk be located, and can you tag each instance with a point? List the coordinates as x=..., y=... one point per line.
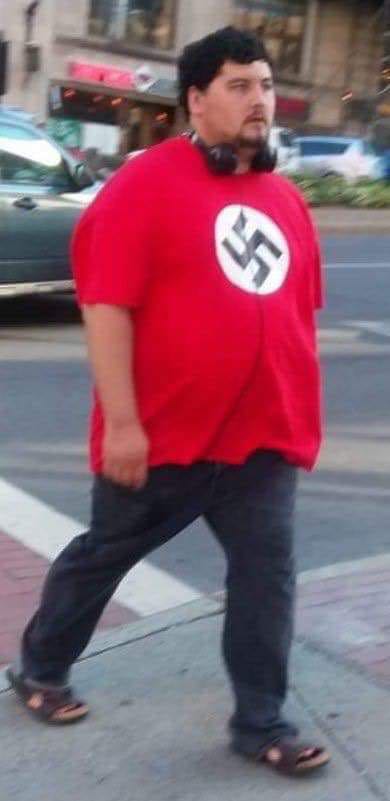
x=21, y=577
x=160, y=701
x=344, y=220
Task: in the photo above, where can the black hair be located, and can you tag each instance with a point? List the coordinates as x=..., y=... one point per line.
x=201, y=61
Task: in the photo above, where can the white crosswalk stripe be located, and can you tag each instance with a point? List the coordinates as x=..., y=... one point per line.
x=381, y=327
x=349, y=337
x=358, y=265
x=147, y=589
x=42, y=529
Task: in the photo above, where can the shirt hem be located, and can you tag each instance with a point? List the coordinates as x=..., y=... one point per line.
x=291, y=457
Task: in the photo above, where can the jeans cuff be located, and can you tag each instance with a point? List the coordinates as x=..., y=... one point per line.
x=255, y=743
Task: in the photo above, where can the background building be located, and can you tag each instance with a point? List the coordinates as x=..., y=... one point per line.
x=105, y=69
x=326, y=52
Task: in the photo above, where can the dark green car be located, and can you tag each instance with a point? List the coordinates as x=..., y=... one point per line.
x=42, y=193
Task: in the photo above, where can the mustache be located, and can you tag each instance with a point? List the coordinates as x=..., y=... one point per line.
x=256, y=118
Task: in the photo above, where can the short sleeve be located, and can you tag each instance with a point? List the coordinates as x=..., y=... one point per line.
x=111, y=247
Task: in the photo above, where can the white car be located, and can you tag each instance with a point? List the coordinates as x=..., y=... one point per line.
x=347, y=157
x=43, y=191
x=282, y=140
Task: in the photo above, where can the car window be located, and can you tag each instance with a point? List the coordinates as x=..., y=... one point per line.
x=286, y=139
x=368, y=149
x=26, y=157
x=322, y=148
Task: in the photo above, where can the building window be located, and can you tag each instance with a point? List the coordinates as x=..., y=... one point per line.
x=149, y=23
x=281, y=23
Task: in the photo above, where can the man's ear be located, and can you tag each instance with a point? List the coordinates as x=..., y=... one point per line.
x=195, y=101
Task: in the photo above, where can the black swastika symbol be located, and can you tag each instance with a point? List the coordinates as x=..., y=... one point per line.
x=250, y=253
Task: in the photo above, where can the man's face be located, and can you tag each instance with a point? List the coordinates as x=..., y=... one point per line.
x=237, y=107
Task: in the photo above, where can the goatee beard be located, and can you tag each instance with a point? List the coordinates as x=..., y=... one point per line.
x=258, y=153
x=261, y=143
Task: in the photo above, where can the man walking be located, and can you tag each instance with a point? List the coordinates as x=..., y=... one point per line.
x=198, y=273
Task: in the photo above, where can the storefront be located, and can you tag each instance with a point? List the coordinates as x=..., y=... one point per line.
x=323, y=52
x=119, y=110
x=116, y=111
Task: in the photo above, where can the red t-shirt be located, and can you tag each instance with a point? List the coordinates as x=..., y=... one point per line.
x=222, y=274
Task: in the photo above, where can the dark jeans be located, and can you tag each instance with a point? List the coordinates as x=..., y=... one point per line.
x=250, y=509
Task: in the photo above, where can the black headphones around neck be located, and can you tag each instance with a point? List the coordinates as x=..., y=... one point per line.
x=223, y=159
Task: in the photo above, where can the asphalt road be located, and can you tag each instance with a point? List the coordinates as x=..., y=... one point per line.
x=343, y=511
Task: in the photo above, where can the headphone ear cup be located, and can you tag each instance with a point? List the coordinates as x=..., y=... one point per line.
x=265, y=160
x=222, y=159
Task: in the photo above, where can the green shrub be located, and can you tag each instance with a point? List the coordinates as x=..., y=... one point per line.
x=332, y=191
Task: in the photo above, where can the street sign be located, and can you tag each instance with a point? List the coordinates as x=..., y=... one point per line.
x=101, y=73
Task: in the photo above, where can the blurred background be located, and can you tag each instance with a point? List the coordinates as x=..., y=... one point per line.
x=100, y=74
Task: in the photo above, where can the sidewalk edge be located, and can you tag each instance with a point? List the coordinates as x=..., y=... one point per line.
x=352, y=228
x=108, y=640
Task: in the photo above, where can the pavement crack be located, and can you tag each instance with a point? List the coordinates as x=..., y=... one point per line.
x=149, y=634
x=338, y=659
x=352, y=760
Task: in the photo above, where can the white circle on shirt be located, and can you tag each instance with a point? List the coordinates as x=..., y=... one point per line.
x=252, y=250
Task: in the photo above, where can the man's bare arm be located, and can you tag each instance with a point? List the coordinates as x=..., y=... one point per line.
x=110, y=336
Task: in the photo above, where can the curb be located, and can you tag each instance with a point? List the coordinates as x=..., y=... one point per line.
x=208, y=606
x=204, y=607
x=362, y=230
x=346, y=220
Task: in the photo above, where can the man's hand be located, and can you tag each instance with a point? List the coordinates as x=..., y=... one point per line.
x=110, y=340
x=125, y=454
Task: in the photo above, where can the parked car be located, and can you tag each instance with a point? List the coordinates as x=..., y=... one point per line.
x=385, y=156
x=283, y=141
x=348, y=157
x=42, y=193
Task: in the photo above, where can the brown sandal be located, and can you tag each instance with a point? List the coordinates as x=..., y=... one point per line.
x=291, y=757
x=55, y=705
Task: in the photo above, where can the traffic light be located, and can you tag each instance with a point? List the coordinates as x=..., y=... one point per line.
x=3, y=66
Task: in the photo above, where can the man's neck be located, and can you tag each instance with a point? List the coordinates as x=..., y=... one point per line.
x=245, y=158
x=245, y=155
